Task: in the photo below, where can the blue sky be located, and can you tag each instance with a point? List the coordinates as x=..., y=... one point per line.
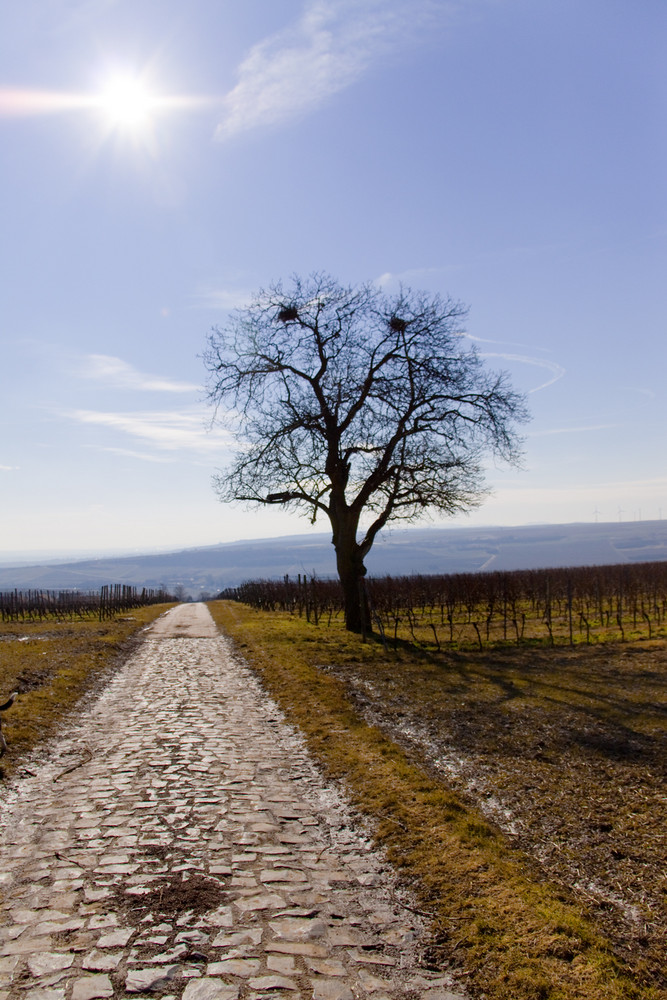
x=506, y=152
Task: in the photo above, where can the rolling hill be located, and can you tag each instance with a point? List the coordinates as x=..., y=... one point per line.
x=399, y=552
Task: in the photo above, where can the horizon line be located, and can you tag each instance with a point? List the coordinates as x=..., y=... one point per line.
x=61, y=556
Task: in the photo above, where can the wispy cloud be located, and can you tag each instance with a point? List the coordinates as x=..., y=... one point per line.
x=557, y=371
x=168, y=431
x=116, y=372
x=8, y=468
x=388, y=280
x=222, y=298
x=571, y=430
x=412, y=276
x=331, y=46
x=646, y=393
x=609, y=491
x=141, y=456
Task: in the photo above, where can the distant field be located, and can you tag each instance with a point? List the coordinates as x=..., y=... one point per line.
x=551, y=767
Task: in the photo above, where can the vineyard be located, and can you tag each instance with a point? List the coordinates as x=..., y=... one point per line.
x=473, y=610
x=38, y=605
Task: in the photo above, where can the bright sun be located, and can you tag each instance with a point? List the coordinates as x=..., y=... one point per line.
x=127, y=102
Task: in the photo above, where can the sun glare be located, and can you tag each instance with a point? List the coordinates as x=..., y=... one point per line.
x=127, y=102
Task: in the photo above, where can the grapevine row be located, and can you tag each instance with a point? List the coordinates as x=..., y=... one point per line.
x=37, y=605
x=577, y=604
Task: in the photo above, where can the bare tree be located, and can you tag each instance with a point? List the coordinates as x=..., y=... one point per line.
x=359, y=406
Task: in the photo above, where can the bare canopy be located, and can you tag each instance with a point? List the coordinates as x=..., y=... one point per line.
x=359, y=406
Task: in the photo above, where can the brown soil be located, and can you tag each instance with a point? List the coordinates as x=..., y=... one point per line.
x=176, y=894
x=565, y=751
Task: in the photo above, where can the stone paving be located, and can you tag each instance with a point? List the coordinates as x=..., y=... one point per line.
x=179, y=843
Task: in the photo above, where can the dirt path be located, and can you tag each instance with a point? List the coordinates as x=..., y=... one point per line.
x=179, y=842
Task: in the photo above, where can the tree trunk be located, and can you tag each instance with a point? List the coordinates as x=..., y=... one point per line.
x=352, y=572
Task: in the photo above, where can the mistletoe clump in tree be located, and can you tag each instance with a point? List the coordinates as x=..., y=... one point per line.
x=362, y=407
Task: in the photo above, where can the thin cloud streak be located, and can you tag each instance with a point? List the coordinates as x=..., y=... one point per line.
x=333, y=44
x=536, y=495
x=571, y=430
x=222, y=298
x=140, y=455
x=389, y=279
x=557, y=370
x=169, y=431
x=120, y=374
x=647, y=393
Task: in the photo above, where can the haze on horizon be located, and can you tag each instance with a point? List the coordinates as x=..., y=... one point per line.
x=160, y=163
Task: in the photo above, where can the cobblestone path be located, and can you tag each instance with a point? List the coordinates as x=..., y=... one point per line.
x=178, y=842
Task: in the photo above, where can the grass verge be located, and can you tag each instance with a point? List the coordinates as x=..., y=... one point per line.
x=52, y=664
x=512, y=934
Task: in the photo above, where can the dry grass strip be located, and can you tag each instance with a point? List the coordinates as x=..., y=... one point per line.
x=512, y=934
